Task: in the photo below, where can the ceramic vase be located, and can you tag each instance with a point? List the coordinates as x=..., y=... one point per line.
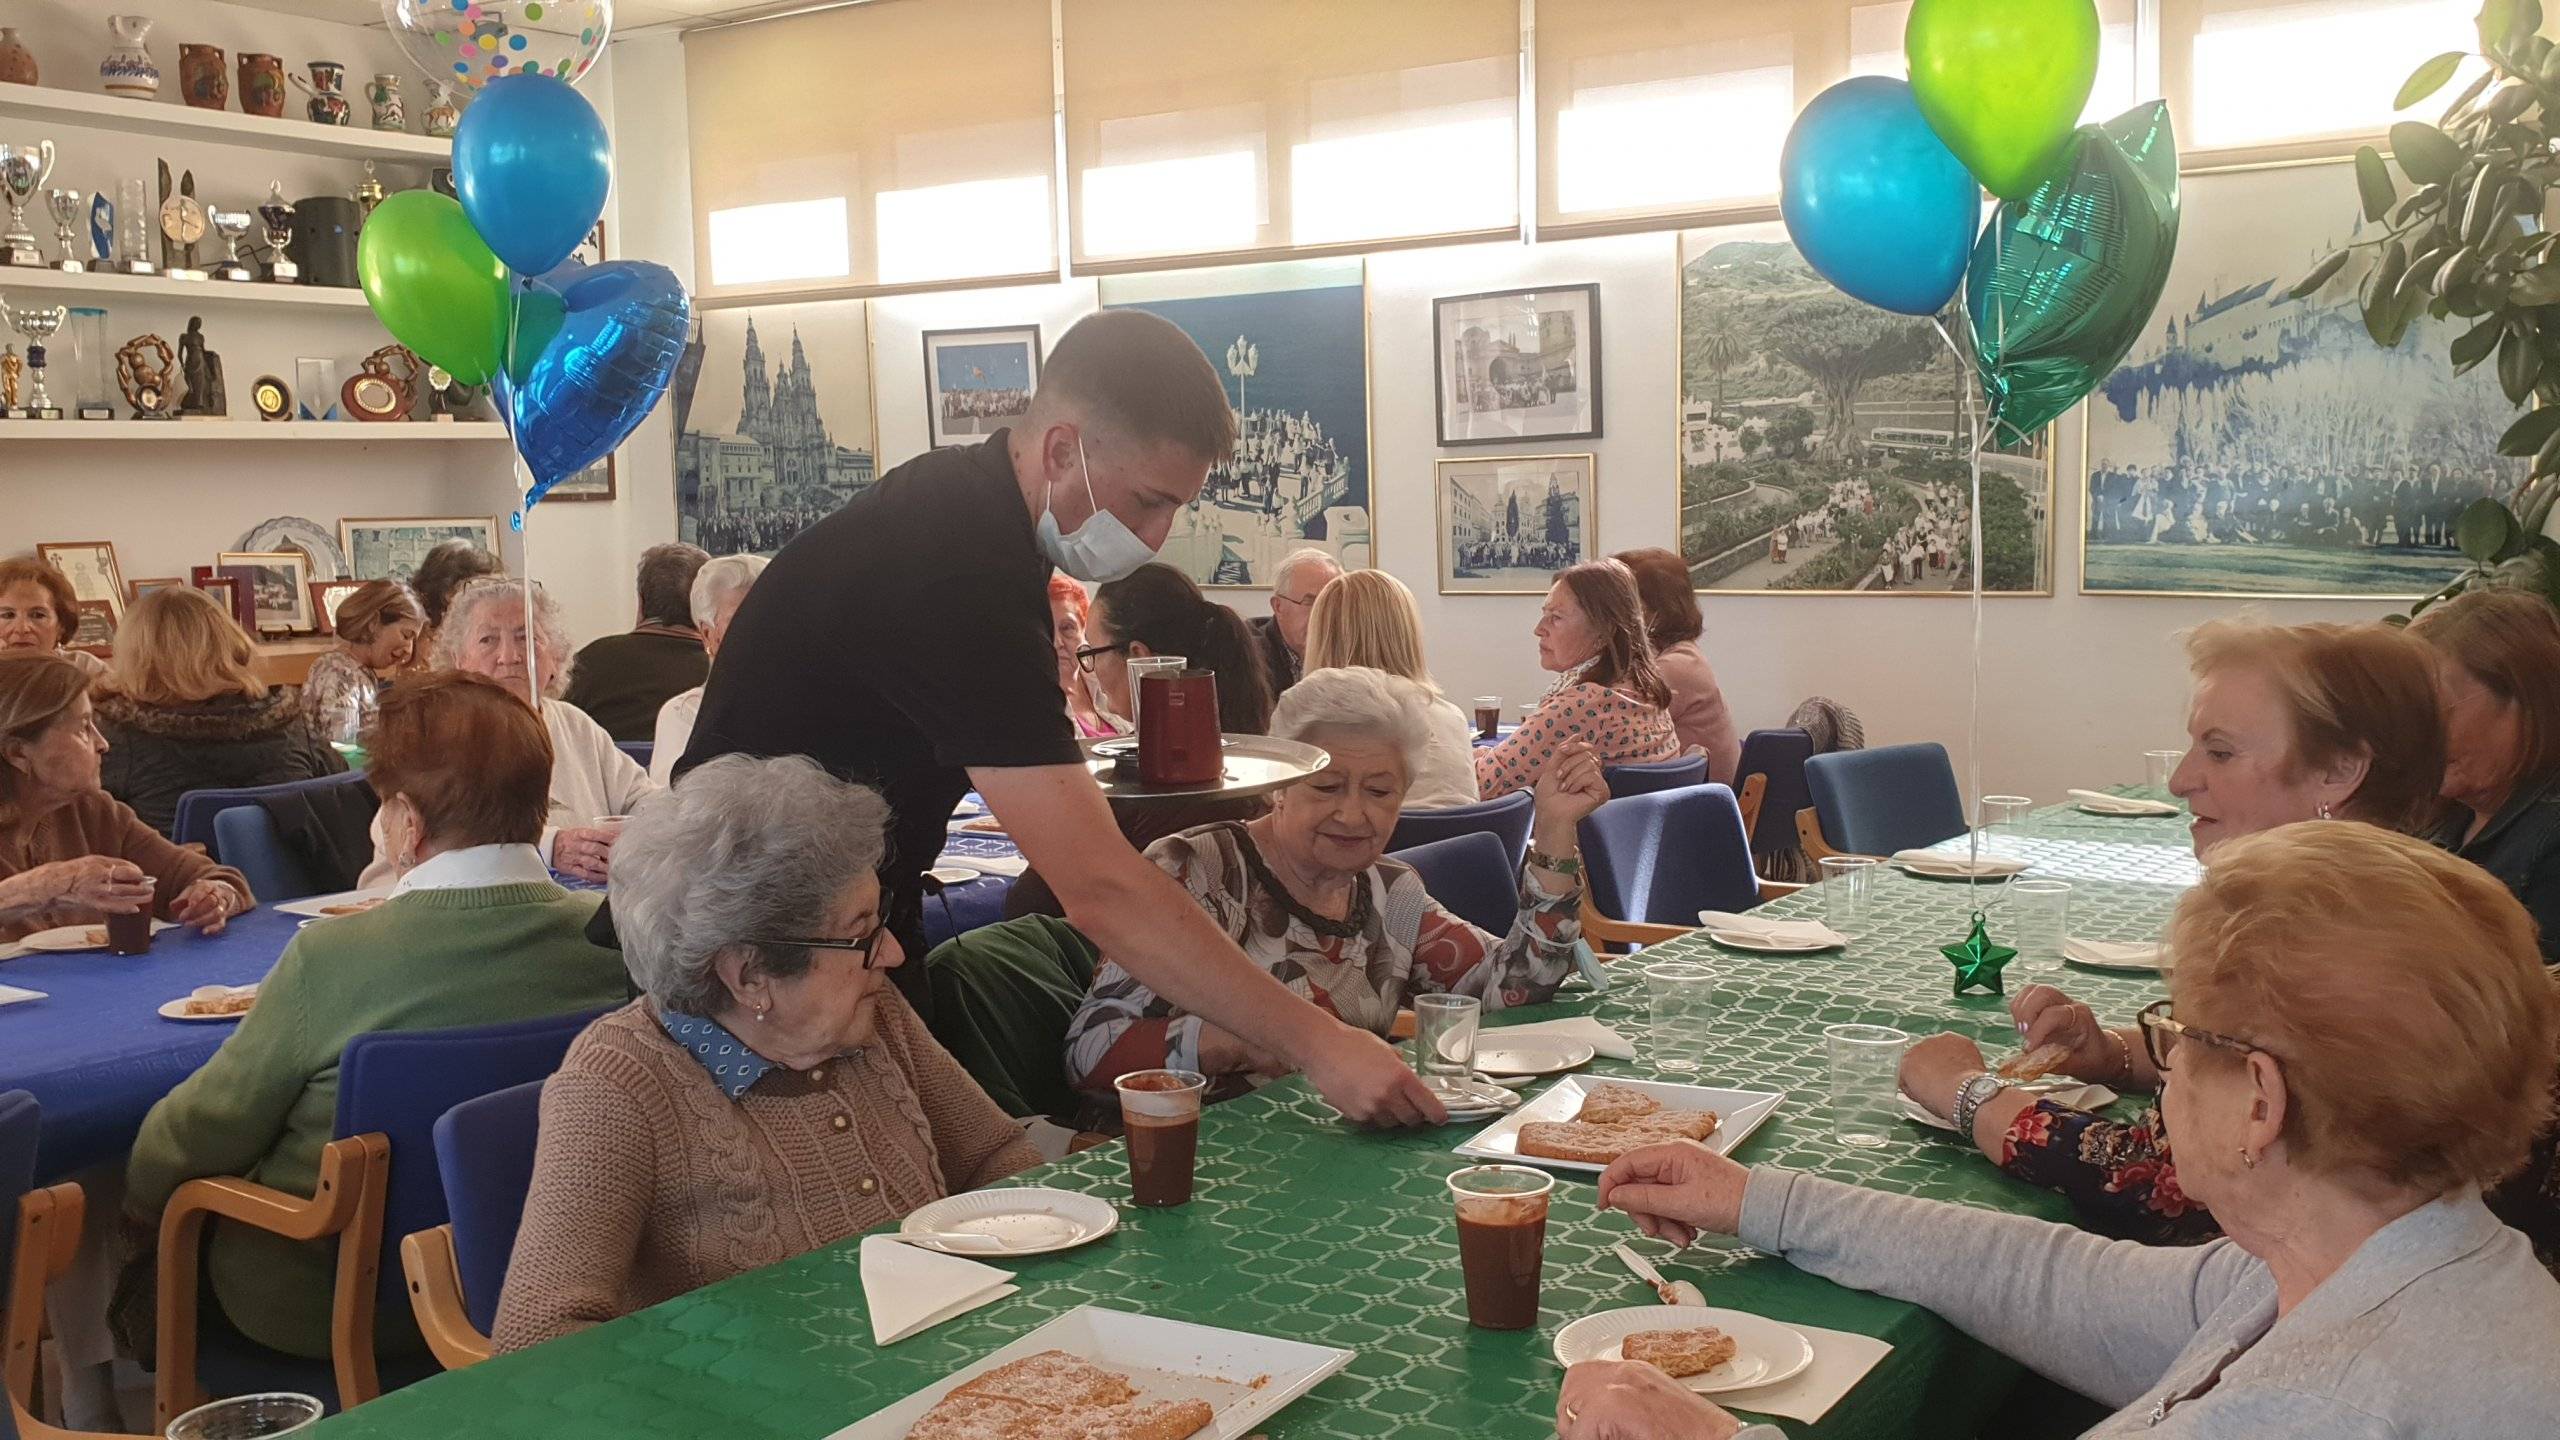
x=326, y=88
x=262, y=86
x=17, y=62
x=388, y=111
x=443, y=116
x=127, y=70
x=204, y=80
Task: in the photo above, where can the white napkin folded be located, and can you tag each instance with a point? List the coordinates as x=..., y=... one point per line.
x=911, y=1290
x=1955, y=862
x=14, y=995
x=986, y=864
x=2069, y=1094
x=2121, y=804
x=1775, y=932
x=2112, y=952
x=1601, y=1039
x=1840, y=1361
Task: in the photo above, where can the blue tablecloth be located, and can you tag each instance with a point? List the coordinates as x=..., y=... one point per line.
x=95, y=1051
x=967, y=904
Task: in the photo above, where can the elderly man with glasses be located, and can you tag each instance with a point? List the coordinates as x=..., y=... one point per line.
x=1281, y=636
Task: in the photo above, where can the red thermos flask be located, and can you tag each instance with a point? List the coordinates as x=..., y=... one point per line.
x=1178, y=741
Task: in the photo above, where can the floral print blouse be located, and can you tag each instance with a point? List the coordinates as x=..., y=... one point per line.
x=1623, y=728
x=1396, y=943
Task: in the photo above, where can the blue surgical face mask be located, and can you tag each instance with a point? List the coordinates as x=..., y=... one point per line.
x=1102, y=549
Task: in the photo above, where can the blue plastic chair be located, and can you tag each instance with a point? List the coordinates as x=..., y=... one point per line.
x=393, y=1086
x=18, y=1116
x=1877, y=802
x=1471, y=877
x=246, y=839
x=1672, y=774
x=640, y=750
x=485, y=1148
x=1652, y=862
x=197, y=808
x=1769, y=785
x=1507, y=819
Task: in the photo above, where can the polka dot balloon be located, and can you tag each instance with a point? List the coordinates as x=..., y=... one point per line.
x=468, y=43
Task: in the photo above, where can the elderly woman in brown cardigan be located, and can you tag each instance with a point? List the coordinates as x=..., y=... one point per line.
x=71, y=854
x=772, y=1093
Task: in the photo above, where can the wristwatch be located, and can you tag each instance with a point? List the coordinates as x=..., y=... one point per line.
x=1971, y=1096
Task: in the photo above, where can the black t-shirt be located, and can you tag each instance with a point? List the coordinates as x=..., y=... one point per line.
x=897, y=642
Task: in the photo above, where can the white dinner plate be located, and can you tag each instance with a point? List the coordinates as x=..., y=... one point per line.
x=1029, y=1219
x=1765, y=1351
x=1763, y=945
x=953, y=874
x=74, y=939
x=329, y=907
x=2142, y=959
x=1484, y=1102
x=1958, y=867
x=1501, y=1054
x=1246, y=1379
x=2073, y=1093
x=1738, y=1112
x=177, y=1010
x=2129, y=810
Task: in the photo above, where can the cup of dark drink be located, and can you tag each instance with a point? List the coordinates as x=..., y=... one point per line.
x=1502, y=1241
x=1488, y=716
x=1161, y=1111
x=131, y=934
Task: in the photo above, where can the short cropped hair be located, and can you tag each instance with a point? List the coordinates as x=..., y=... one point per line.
x=550, y=632
x=1670, y=604
x=742, y=850
x=2399, y=988
x=178, y=645
x=2351, y=691
x=720, y=582
x=27, y=570
x=2509, y=641
x=1142, y=377
x=666, y=582
x=468, y=753
x=371, y=606
x=1303, y=556
x=1368, y=617
x=1065, y=589
x=1357, y=700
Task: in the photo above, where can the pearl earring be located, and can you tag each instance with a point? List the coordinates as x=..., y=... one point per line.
x=2324, y=812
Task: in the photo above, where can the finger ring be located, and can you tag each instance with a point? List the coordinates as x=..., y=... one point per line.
x=1571, y=1415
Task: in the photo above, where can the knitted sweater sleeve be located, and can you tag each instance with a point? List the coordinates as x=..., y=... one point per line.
x=977, y=1143
x=593, y=1173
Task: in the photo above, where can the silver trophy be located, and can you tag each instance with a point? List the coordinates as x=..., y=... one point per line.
x=233, y=227
x=23, y=170
x=38, y=325
x=66, y=206
x=275, y=216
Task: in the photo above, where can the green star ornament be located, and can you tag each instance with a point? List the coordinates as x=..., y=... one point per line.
x=1977, y=960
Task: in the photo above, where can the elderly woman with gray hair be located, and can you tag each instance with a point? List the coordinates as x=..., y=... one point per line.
x=1307, y=891
x=719, y=588
x=484, y=633
x=772, y=1093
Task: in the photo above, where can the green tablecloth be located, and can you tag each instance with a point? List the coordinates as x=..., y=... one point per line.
x=1306, y=1229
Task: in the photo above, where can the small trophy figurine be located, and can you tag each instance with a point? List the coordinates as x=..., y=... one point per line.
x=369, y=191
x=233, y=227
x=10, y=368
x=142, y=372
x=275, y=217
x=102, y=230
x=38, y=325
x=66, y=206
x=23, y=170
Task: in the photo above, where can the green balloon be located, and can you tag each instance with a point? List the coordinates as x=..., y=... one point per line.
x=435, y=284
x=2063, y=282
x=2003, y=82
x=539, y=316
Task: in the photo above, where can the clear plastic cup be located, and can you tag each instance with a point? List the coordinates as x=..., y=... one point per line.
x=1848, y=893
x=247, y=1417
x=1680, y=996
x=2158, y=766
x=1866, y=1093
x=1502, y=1242
x=2039, y=919
x=1488, y=716
x=1444, y=1041
x=1160, y=1111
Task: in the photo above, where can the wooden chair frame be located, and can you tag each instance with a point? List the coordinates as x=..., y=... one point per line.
x=1755, y=789
x=1602, y=931
x=435, y=1297
x=347, y=1203
x=48, y=1237
x=1809, y=835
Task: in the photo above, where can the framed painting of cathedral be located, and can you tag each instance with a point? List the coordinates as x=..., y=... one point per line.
x=779, y=433
x=1509, y=523
x=593, y=483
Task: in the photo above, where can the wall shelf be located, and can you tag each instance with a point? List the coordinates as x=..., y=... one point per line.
x=262, y=432
x=172, y=120
x=79, y=288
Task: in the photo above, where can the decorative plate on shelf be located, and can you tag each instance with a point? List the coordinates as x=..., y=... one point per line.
x=292, y=532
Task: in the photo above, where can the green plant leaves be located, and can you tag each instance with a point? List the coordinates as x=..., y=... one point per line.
x=2497, y=17
x=2426, y=154
x=2427, y=79
x=2519, y=362
x=2321, y=274
x=2483, y=531
x=2532, y=428
x=2474, y=345
x=2373, y=182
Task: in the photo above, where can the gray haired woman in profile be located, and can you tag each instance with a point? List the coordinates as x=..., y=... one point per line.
x=772, y=1092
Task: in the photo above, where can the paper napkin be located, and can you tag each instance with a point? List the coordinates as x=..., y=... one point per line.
x=911, y=1290
x=1840, y=1361
x=13, y=995
x=2111, y=952
x=1779, y=932
x=986, y=864
x=1599, y=1037
x=2121, y=804
x=1959, y=862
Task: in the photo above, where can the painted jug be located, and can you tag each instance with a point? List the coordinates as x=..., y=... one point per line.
x=204, y=80
x=262, y=86
x=388, y=112
x=127, y=70
x=327, y=89
x=443, y=116
x=17, y=62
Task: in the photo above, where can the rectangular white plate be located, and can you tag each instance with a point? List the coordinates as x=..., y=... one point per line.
x=1165, y=1359
x=317, y=906
x=1739, y=1113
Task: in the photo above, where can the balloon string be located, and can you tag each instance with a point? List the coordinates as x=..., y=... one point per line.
x=524, y=472
x=1973, y=717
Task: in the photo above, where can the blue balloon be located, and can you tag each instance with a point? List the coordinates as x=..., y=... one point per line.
x=622, y=331
x=1875, y=201
x=532, y=166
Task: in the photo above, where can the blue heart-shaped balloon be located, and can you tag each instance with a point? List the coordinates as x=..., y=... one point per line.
x=622, y=329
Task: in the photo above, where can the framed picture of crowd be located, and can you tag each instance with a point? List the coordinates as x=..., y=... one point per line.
x=1291, y=341
x=1824, y=446
x=1508, y=523
x=390, y=547
x=2256, y=445
x=776, y=434
x=1516, y=365
x=596, y=482
x=978, y=381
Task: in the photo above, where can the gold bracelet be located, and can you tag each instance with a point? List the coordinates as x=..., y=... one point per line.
x=1567, y=865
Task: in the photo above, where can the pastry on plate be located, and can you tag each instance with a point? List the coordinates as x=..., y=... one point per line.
x=1681, y=1353
x=2037, y=1063
x=221, y=1000
x=1613, y=1120
x=1057, y=1396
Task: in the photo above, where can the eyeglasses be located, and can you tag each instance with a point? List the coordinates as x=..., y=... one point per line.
x=1085, y=657
x=2162, y=1034
x=864, y=946
x=1293, y=600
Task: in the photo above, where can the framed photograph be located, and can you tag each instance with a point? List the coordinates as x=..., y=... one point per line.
x=280, y=585
x=979, y=381
x=1513, y=365
x=1823, y=443
x=1508, y=523
x=97, y=632
x=326, y=596
x=593, y=483
x=2255, y=445
x=136, y=589
x=91, y=567
x=591, y=250
x=230, y=590
x=777, y=424
x=1293, y=340
x=389, y=548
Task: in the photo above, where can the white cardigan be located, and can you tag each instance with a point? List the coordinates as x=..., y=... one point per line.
x=1447, y=774
x=589, y=779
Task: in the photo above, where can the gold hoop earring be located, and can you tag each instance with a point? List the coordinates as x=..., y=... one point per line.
x=2246, y=1159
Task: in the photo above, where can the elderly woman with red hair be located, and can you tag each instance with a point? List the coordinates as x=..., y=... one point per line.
x=1069, y=611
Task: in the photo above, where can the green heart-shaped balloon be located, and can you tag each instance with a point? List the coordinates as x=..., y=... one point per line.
x=434, y=284
x=2003, y=82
